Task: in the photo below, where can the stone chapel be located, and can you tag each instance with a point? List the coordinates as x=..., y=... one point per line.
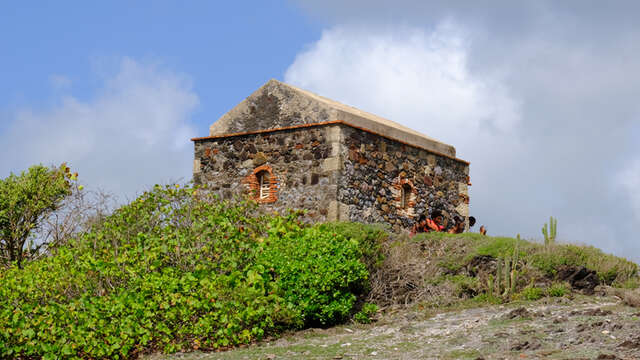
x=291, y=149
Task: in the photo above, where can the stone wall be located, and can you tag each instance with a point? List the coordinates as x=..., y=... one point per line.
x=337, y=172
x=302, y=163
x=375, y=170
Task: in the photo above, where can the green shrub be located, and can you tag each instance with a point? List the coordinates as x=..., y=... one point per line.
x=26, y=200
x=318, y=271
x=369, y=237
x=531, y=293
x=177, y=270
x=366, y=314
x=558, y=290
x=488, y=298
x=631, y=283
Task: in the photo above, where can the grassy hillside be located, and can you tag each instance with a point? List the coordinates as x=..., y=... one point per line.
x=179, y=270
x=438, y=269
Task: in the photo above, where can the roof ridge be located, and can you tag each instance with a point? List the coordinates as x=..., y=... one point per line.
x=277, y=104
x=353, y=109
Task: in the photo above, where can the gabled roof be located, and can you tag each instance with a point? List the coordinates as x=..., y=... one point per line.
x=277, y=105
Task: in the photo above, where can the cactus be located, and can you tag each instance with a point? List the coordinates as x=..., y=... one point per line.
x=506, y=275
x=507, y=267
x=514, y=271
x=498, y=277
x=550, y=231
x=514, y=280
x=506, y=279
x=490, y=285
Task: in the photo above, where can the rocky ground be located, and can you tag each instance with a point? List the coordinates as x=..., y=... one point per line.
x=584, y=327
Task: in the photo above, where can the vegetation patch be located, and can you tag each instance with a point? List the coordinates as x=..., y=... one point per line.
x=438, y=269
x=178, y=270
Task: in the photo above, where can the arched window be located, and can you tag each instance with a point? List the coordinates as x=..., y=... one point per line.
x=264, y=183
x=405, y=195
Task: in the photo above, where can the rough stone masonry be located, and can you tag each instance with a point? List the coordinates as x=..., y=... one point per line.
x=291, y=149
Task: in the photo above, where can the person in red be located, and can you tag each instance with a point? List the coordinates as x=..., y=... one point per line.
x=435, y=223
x=420, y=226
x=426, y=225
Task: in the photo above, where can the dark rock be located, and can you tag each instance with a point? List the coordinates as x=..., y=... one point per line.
x=607, y=356
x=314, y=179
x=481, y=264
x=591, y=312
x=631, y=343
x=526, y=345
x=520, y=312
x=579, y=277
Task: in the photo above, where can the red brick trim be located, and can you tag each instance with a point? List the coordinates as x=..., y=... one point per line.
x=253, y=185
x=398, y=184
x=335, y=122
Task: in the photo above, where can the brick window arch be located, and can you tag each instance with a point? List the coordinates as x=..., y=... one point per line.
x=405, y=196
x=262, y=184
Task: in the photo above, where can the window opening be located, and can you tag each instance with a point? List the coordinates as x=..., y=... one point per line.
x=405, y=196
x=265, y=184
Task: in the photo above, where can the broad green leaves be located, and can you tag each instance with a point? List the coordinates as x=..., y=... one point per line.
x=178, y=270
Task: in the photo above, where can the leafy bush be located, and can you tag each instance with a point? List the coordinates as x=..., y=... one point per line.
x=366, y=314
x=558, y=290
x=531, y=293
x=488, y=298
x=317, y=270
x=25, y=201
x=177, y=270
x=369, y=237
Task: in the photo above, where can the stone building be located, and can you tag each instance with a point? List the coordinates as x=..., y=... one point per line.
x=289, y=148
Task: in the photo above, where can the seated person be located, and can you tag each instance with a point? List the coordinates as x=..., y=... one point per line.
x=458, y=228
x=472, y=221
x=426, y=225
x=420, y=226
x=435, y=223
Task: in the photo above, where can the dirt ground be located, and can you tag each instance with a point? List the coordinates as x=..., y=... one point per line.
x=585, y=327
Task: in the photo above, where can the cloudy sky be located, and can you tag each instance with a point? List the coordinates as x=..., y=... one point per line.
x=540, y=96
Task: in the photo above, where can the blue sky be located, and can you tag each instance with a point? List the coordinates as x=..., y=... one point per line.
x=539, y=95
x=227, y=48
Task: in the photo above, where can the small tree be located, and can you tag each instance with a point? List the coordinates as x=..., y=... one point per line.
x=25, y=200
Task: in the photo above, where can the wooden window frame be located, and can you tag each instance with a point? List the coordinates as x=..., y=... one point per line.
x=262, y=184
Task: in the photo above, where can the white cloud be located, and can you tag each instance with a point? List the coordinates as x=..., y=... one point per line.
x=543, y=122
x=412, y=76
x=420, y=79
x=133, y=133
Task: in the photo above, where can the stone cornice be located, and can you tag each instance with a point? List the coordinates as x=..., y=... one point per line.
x=326, y=123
